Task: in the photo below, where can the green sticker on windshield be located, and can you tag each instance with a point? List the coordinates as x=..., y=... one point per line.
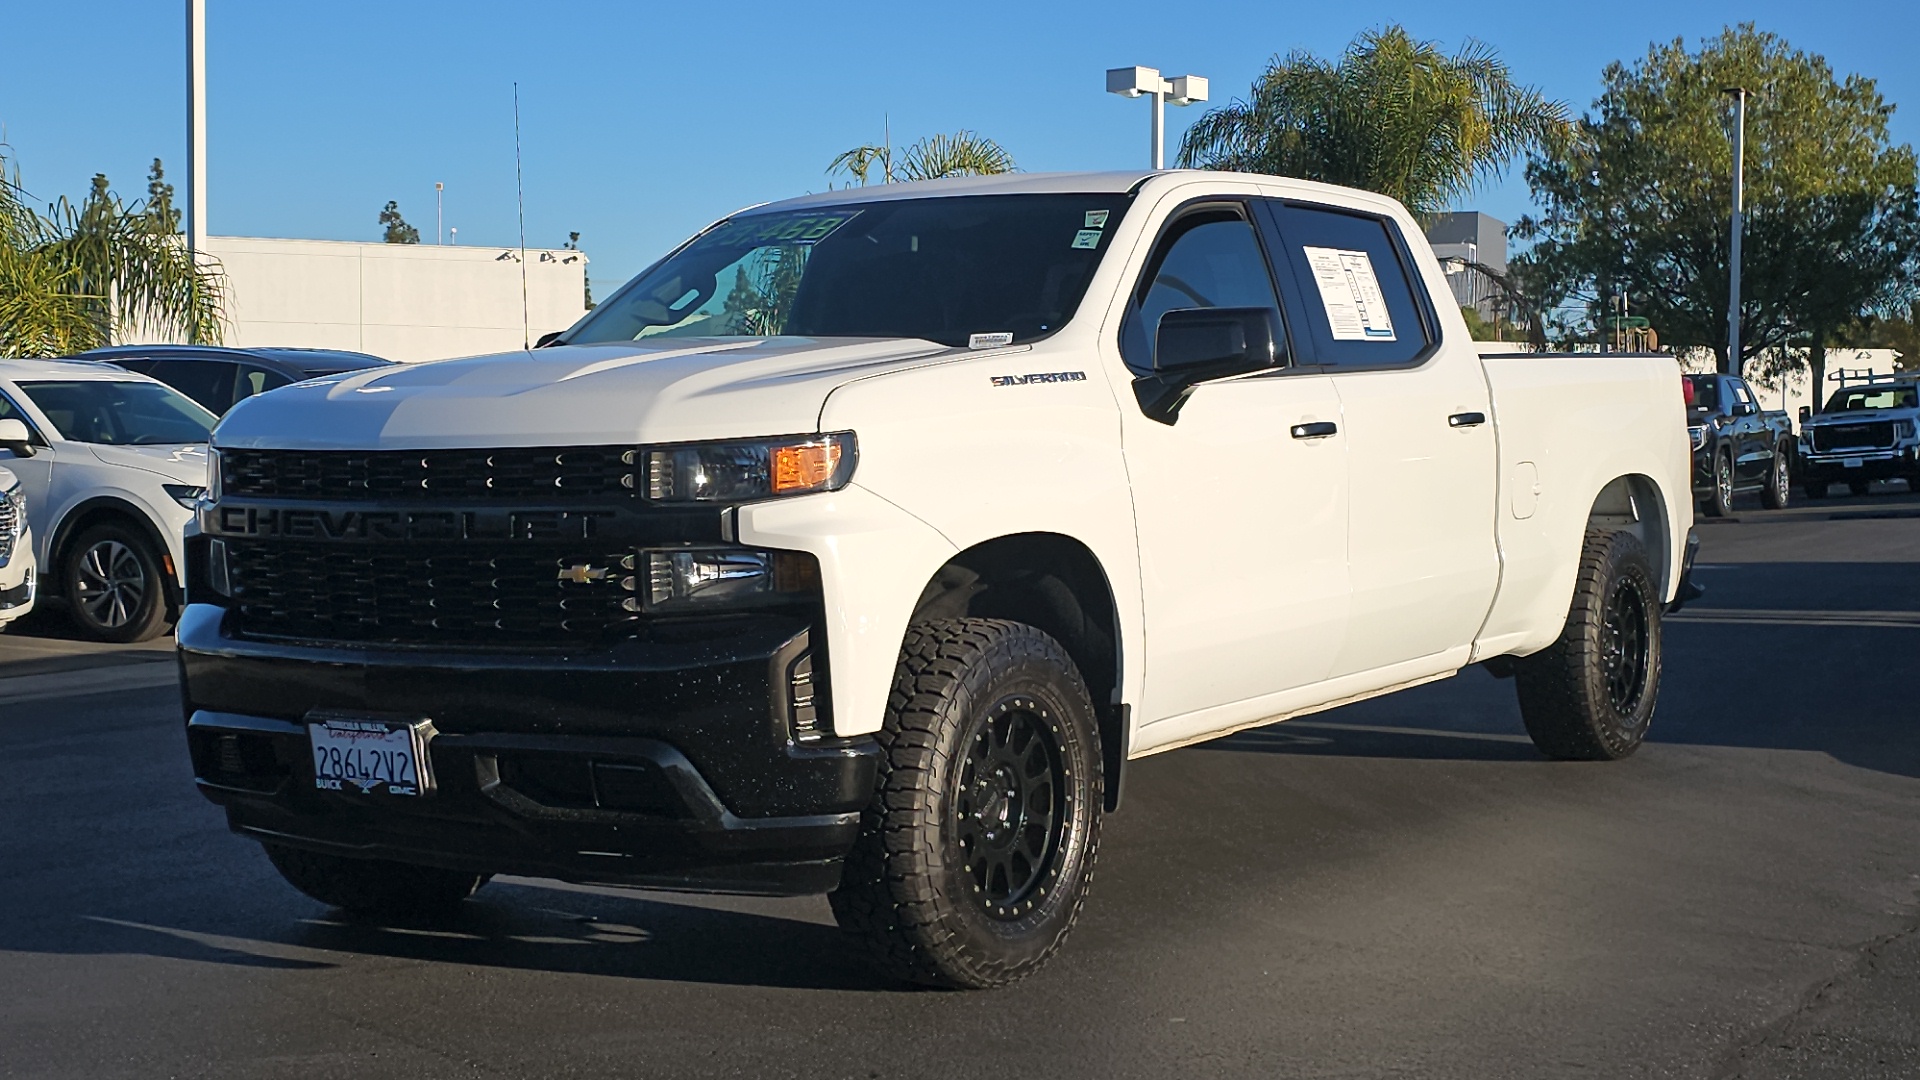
x=1087, y=238
x=762, y=230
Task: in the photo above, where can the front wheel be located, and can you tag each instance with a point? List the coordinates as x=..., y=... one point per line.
x=1590, y=695
x=1779, y=482
x=1720, y=499
x=114, y=585
x=976, y=853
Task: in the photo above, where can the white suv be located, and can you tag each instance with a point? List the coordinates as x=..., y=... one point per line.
x=16, y=550
x=111, y=465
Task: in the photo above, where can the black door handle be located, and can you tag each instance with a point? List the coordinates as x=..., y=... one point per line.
x=1319, y=430
x=1467, y=419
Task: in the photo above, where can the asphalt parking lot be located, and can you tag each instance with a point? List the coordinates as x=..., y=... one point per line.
x=1400, y=888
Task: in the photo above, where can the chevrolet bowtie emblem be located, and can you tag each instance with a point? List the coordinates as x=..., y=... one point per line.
x=583, y=573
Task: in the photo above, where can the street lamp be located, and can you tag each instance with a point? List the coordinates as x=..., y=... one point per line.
x=1739, y=95
x=1132, y=82
x=439, y=212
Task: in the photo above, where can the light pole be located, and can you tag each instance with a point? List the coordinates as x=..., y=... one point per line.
x=1739, y=206
x=439, y=213
x=1132, y=82
x=196, y=136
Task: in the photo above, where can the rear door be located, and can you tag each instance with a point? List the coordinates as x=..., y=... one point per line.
x=1421, y=454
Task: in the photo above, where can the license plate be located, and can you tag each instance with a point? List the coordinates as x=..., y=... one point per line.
x=1853, y=462
x=371, y=757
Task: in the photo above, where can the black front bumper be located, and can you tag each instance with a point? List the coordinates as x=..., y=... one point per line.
x=668, y=762
x=1871, y=465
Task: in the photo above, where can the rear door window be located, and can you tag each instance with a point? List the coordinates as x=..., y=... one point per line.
x=209, y=382
x=1361, y=306
x=257, y=380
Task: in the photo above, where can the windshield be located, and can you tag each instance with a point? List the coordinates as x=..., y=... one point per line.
x=1874, y=397
x=1013, y=267
x=1706, y=391
x=120, y=413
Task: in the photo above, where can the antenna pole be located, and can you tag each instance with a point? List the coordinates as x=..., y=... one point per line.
x=520, y=191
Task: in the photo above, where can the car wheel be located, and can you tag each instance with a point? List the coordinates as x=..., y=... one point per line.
x=373, y=887
x=114, y=585
x=1859, y=487
x=1720, y=499
x=976, y=853
x=1779, y=481
x=1590, y=695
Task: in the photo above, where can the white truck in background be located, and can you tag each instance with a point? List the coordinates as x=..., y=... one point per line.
x=858, y=544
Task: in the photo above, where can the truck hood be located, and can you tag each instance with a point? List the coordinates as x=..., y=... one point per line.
x=185, y=463
x=663, y=390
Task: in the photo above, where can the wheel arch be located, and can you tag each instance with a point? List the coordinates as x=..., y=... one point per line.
x=96, y=510
x=1057, y=584
x=1634, y=503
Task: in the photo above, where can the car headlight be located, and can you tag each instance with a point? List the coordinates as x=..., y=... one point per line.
x=1699, y=436
x=186, y=495
x=1903, y=428
x=741, y=470
x=214, y=467
x=678, y=579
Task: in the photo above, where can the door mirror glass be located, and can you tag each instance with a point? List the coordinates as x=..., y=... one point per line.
x=14, y=437
x=1745, y=409
x=1805, y=411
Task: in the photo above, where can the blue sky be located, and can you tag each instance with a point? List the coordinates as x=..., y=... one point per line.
x=643, y=121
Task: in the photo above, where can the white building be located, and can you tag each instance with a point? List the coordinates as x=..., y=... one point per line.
x=400, y=301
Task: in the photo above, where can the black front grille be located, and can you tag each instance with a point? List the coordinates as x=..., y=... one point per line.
x=465, y=594
x=524, y=473
x=1872, y=435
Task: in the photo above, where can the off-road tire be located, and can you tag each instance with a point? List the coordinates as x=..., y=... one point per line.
x=1719, y=501
x=121, y=551
x=1860, y=488
x=372, y=887
x=910, y=891
x=1571, y=693
x=1779, y=491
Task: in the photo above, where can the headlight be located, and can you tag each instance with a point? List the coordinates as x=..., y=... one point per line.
x=747, y=469
x=186, y=494
x=1699, y=436
x=1903, y=428
x=677, y=579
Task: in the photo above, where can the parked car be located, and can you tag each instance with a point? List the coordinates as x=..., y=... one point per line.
x=868, y=576
x=1869, y=431
x=1738, y=447
x=18, y=578
x=220, y=378
x=111, y=465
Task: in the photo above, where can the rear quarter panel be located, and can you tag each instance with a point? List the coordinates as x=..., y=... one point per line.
x=1568, y=426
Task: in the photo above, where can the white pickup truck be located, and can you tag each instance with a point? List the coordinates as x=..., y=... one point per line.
x=858, y=544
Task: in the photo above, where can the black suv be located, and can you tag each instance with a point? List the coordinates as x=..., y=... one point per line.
x=220, y=378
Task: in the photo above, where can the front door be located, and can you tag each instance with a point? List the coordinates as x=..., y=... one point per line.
x=1240, y=502
x=1418, y=419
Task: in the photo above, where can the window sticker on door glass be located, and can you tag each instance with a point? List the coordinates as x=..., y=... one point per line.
x=1350, y=292
x=1087, y=238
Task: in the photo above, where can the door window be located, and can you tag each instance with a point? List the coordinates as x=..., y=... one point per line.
x=1208, y=259
x=1361, y=306
x=257, y=380
x=1741, y=394
x=209, y=382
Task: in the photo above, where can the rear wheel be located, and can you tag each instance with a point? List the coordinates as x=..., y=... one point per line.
x=1720, y=499
x=1590, y=695
x=114, y=584
x=1779, y=481
x=373, y=887
x=975, y=855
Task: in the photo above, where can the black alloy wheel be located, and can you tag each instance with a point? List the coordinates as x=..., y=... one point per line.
x=114, y=585
x=1006, y=813
x=1624, y=650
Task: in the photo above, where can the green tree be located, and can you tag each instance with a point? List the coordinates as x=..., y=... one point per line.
x=1392, y=115
x=398, y=231
x=1640, y=202
x=77, y=277
x=160, y=209
x=963, y=153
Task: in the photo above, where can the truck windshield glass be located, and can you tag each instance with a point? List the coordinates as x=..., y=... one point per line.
x=1874, y=397
x=120, y=413
x=942, y=269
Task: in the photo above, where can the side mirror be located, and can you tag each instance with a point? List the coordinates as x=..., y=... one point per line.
x=1805, y=411
x=14, y=437
x=1741, y=408
x=1194, y=345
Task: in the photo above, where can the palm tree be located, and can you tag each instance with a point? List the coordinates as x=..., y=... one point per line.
x=963, y=153
x=1393, y=115
x=76, y=277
